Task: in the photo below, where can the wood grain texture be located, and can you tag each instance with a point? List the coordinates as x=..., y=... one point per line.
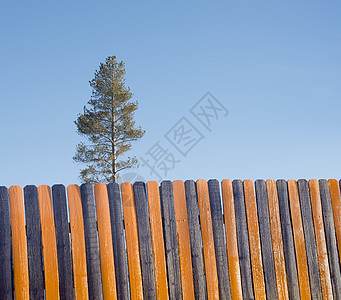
x=254, y=239
x=105, y=242
x=91, y=242
x=34, y=242
x=78, y=243
x=276, y=239
x=145, y=241
x=265, y=238
x=157, y=240
x=288, y=239
x=48, y=233
x=243, y=239
x=198, y=268
x=6, y=284
x=231, y=240
x=219, y=239
x=329, y=229
x=310, y=240
x=321, y=246
x=19, y=244
x=135, y=273
x=118, y=237
x=60, y=211
x=336, y=204
x=301, y=255
x=183, y=240
x=171, y=240
x=207, y=239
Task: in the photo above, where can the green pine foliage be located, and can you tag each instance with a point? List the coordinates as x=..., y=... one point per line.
x=108, y=124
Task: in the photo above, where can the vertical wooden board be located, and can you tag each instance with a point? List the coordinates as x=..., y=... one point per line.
x=329, y=229
x=157, y=240
x=199, y=280
x=301, y=255
x=34, y=242
x=265, y=238
x=207, y=239
x=105, y=242
x=130, y=222
x=321, y=246
x=118, y=237
x=336, y=205
x=277, y=242
x=5, y=247
x=183, y=240
x=310, y=241
x=288, y=239
x=49, y=243
x=91, y=242
x=219, y=239
x=171, y=240
x=231, y=240
x=254, y=239
x=78, y=242
x=66, y=290
x=145, y=241
x=243, y=240
x=19, y=244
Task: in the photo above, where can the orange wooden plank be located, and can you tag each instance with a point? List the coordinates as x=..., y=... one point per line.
x=157, y=240
x=207, y=240
x=315, y=198
x=336, y=204
x=78, y=242
x=135, y=274
x=183, y=240
x=48, y=233
x=231, y=240
x=19, y=244
x=301, y=255
x=105, y=242
x=254, y=240
x=277, y=242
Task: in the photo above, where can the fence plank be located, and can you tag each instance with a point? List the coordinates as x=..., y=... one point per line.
x=171, y=241
x=265, y=238
x=243, y=240
x=301, y=255
x=157, y=240
x=207, y=239
x=183, y=239
x=145, y=241
x=231, y=239
x=310, y=241
x=199, y=280
x=321, y=246
x=254, y=239
x=219, y=239
x=118, y=237
x=130, y=222
x=336, y=204
x=34, y=242
x=91, y=242
x=19, y=244
x=78, y=242
x=329, y=229
x=277, y=242
x=49, y=243
x=105, y=242
x=5, y=247
x=66, y=291
x=288, y=239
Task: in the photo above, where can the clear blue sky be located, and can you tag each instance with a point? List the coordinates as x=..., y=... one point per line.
x=274, y=65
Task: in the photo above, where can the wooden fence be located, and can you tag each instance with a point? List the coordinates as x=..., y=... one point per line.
x=180, y=240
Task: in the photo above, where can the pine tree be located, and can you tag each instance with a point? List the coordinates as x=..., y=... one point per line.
x=108, y=124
